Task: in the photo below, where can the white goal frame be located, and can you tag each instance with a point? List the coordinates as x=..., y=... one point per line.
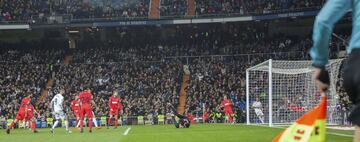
x=267, y=67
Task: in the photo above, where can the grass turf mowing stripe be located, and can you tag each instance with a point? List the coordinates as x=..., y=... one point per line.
x=159, y=133
x=127, y=131
x=327, y=133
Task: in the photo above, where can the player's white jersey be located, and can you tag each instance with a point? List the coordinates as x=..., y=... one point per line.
x=257, y=107
x=57, y=103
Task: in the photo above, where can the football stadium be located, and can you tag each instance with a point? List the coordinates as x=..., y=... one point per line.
x=180, y=70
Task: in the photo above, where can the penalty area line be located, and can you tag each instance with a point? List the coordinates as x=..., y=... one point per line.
x=339, y=134
x=127, y=131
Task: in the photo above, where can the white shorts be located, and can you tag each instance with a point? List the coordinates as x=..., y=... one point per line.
x=59, y=115
x=259, y=112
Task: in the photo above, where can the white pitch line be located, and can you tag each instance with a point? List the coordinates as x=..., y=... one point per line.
x=328, y=133
x=339, y=134
x=127, y=131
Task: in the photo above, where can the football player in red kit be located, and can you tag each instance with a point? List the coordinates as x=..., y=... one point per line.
x=25, y=112
x=226, y=104
x=86, y=100
x=75, y=107
x=205, y=116
x=115, y=105
x=30, y=116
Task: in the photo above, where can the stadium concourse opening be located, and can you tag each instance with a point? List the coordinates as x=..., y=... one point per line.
x=129, y=70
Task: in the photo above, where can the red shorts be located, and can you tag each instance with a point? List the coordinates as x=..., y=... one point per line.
x=114, y=111
x=86, y=110
x=20, y=115
x=228, y=112
x=29, y=117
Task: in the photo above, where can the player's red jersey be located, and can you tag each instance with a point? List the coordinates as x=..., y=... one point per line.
x=191, y=118
x=22, y=110
x=75, y=107
x=24, y=102
x=226, y=104
x=30, y=112
x=114, y=103
x=85, y=99
x=227, y=108
x=205, y=115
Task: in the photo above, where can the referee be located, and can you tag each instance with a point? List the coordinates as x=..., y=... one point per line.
x=332, y=11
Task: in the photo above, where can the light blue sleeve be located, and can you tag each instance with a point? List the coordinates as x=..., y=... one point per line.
x=332, y=11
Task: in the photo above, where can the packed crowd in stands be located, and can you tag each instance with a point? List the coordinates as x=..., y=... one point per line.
x=189, y=41
x=210, y=7
x=105, y=9
x=147, y=76
x=17, y=81
x=144, y=88
x=265, y=7
x=36, y=52
x=26, y=10
x=173, y=7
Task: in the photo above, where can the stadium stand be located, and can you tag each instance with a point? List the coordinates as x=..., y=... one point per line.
x=25, y=10
x=147, y=77
x=29, y=10
x=173, y=7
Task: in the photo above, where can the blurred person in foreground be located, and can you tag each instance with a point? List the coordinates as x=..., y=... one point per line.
x=332, y=12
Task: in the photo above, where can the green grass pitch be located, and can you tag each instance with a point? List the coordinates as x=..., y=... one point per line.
x=161, y=133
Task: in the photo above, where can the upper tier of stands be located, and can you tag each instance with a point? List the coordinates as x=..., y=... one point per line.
x=28, y=10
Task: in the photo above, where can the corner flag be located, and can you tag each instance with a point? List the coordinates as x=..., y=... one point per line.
x=308, y=128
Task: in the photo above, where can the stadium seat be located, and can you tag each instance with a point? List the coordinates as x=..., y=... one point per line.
x=21, y=124
x=8, y=121
x=226, y=119
x=63, y=123
x=234, y=115
x=120, y=121
x=43, y=124
x=98, y=121
x=49, y=121
x=38, y=124
x=140, y=120
x=103, y=121
x=161, y=119
x=73, y=122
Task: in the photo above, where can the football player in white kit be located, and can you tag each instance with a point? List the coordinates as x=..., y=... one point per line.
x=258, y=109
x=57, y=105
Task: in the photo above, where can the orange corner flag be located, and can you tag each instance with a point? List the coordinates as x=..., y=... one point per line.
x=310, y=127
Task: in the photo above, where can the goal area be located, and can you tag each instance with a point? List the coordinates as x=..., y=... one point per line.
x=278, y=92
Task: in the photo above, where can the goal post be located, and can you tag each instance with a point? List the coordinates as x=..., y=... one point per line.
x=278, y=92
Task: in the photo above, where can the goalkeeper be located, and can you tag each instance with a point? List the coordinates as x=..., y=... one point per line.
x=332, y=11
x=183, y=122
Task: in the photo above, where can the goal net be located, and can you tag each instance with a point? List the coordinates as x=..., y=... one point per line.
x=279, y=92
